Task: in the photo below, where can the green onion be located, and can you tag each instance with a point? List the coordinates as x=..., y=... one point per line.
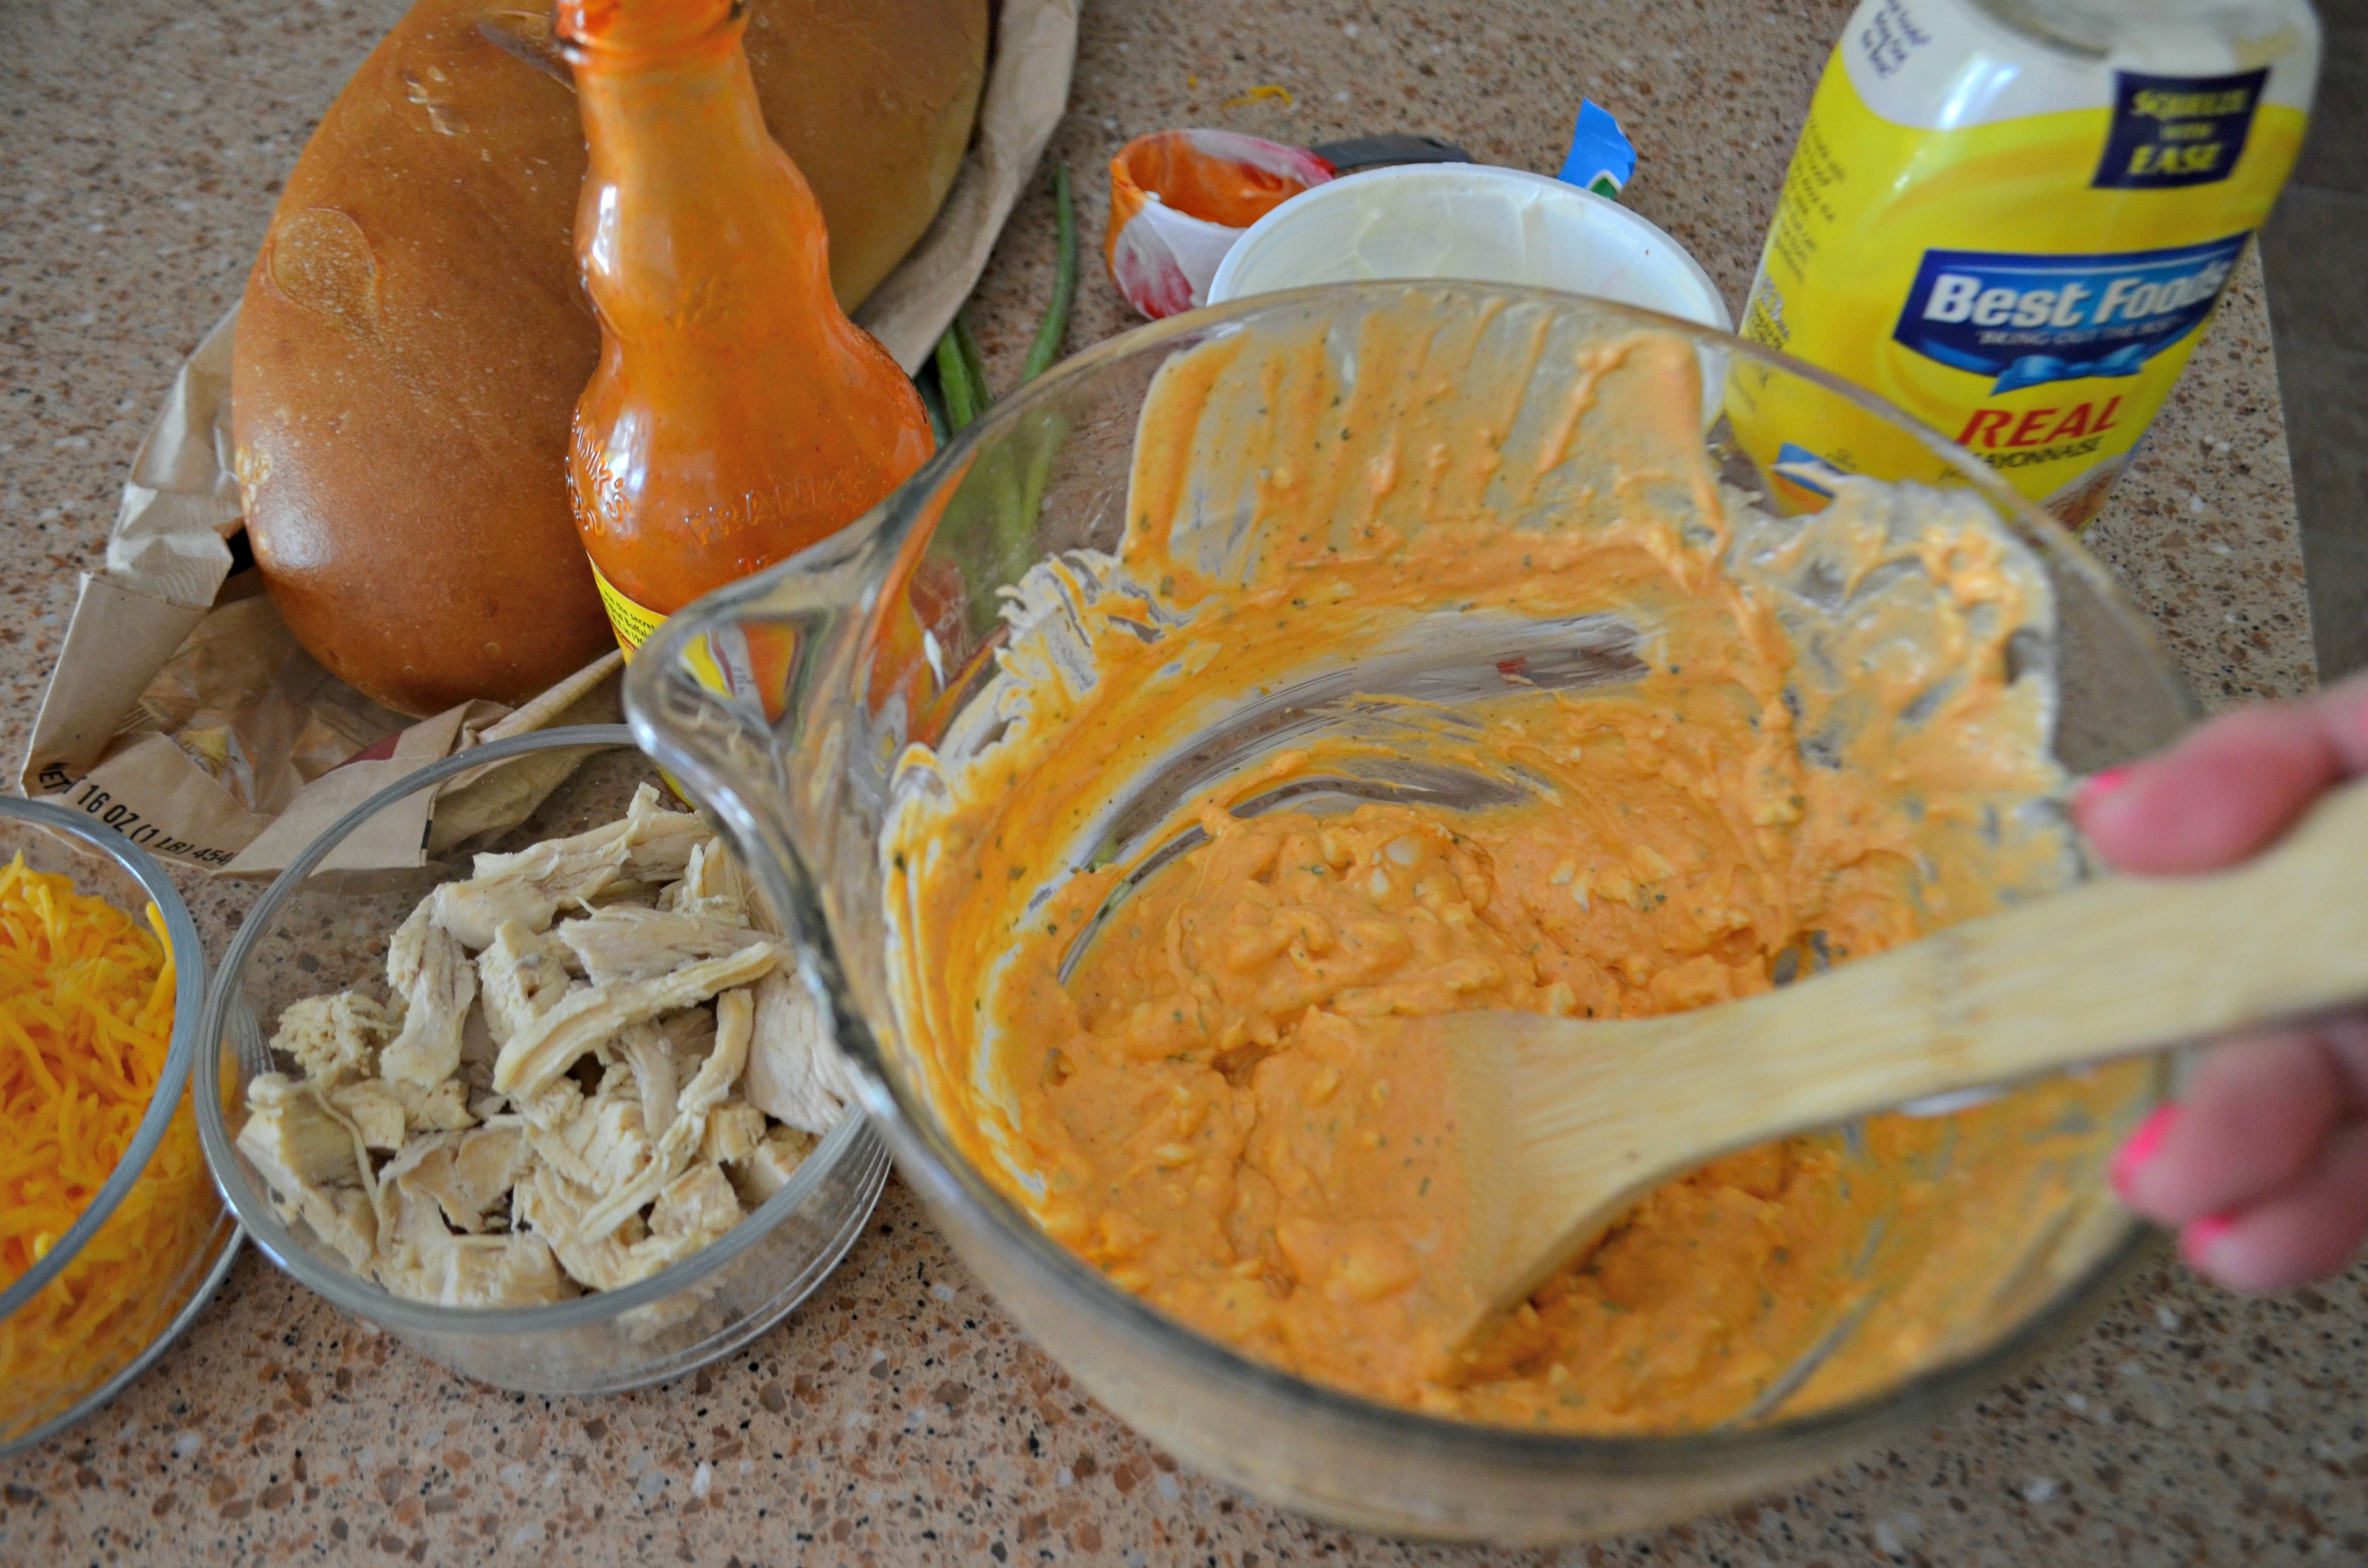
x=1047, y=347
x=933, y=399
x=964, y=399
x=973, y=360
x=1007, y=480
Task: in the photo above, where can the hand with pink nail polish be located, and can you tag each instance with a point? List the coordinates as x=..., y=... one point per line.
x=2262, y=1167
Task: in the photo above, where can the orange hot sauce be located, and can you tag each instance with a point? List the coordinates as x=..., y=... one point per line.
x=736, y=416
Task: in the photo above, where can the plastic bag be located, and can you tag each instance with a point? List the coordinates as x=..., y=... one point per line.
x=1181, y=198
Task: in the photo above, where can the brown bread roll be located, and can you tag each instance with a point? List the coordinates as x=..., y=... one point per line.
x=413, y=336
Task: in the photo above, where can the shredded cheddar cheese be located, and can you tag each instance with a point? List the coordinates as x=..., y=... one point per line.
x=85, y=1020
x=1260, y=94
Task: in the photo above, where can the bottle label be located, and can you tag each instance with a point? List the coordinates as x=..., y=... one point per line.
x=632, y=622
x=2016, y=246
x=2174, y=131
x=2028, y=320
x=724, y=661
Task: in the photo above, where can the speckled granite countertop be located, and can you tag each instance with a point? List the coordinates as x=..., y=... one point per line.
x=899, y=1418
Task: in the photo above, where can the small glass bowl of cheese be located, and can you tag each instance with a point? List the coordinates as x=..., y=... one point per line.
x=652, y=1184
x=114, y=1240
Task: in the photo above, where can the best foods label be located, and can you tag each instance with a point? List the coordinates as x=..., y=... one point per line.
x=2017, y=243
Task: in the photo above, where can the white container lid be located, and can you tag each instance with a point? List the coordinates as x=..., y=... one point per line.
x=1474, y=221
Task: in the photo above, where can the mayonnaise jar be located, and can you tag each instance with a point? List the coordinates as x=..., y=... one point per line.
x=2013, y=219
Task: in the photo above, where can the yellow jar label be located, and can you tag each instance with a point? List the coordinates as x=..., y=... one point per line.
x=2019, y=250
x=724, y=670
x=632, y=622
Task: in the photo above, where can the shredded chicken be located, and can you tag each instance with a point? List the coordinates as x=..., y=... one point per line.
x=336, y=1038
x=734, y=1132
x=696, y=1207
x=293, y=1126
x=553, y=1207
x=769, y=1166
x=659, y=843
x=467, y=1173
x=688, y=1123
x=735, y=1014
x=444, y=1108
x=649, y=844
x=605, y=1142
x=436, y=1007
x=521, y=974
x=796, y=1073
x=692, y=1030
x=590, y=1014
x=474, y=910
x=375, y=1109
x=405, y=948
x=314, y=1161
x=513, y=1270
x=712, y=887
x=562, y=872
x=546, y=1109
x=650, y=1056
x=428, y=1263
x=625, y=942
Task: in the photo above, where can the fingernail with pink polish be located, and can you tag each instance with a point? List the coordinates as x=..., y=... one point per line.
x=2196, y=1242
x=2099, y=784
x=2142, y=1147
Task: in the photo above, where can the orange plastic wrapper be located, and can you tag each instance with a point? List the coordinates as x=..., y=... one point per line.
x=1181, y=198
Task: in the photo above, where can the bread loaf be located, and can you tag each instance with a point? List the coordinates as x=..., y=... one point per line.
x=413, y=336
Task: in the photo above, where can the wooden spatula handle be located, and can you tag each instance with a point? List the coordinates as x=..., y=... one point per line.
x=2108, y=969
x=1562, y=1124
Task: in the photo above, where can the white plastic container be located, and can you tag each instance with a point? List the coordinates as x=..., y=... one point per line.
x=1469, y=221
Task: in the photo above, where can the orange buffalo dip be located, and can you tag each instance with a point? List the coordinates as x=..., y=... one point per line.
x=1796, y=743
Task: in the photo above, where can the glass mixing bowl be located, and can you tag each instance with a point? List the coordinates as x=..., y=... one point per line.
x=113, y=1345
x=318, y=929
x=783, y=703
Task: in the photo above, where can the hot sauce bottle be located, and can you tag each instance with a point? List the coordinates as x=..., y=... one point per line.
x=736, y=416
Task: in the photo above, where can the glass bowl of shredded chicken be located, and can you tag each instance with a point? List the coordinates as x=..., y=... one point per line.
x=111, y=1237
x=553, y=1107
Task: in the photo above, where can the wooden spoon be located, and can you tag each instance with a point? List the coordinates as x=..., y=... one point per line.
x=1561, y=1124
